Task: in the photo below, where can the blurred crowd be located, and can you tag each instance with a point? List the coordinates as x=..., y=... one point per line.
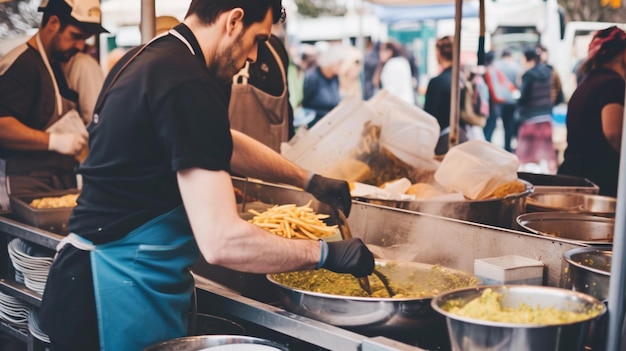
x=516, y=93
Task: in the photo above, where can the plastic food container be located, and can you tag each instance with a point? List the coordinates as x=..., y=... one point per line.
x=476, y=168
x=511, y=269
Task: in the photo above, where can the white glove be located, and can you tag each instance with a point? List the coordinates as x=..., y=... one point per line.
x=67, y=143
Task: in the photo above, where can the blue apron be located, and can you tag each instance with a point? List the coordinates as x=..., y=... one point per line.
x=142, y=282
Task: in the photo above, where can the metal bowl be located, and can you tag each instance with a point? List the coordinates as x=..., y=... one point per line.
x=207, y=342
x=571, y=226
x=373, y=315
x=597, y=205
x=499, y=212
x=588, y=270
x=468, y=334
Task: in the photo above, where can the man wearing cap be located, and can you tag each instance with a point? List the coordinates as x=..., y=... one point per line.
x=41, y=81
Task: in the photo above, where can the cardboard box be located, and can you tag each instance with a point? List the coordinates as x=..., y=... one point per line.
x=511, y=269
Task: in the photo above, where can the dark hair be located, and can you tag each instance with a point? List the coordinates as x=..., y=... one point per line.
x=531, y=54
x=506, y=52
x=611, y=43
x=396, y=49
x=254, y=10
x=46, y=17
x=444, y=47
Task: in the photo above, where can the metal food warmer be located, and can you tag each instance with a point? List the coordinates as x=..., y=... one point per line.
x=252, y=301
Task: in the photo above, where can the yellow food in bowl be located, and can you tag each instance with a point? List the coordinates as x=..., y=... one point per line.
x=514, y=187
x=488, y=307
x=68, y=200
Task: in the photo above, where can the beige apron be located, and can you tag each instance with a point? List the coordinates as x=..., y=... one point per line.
x=39, y=171
x=258, y=114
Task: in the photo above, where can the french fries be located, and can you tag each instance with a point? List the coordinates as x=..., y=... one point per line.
x=291, y=221
x=68, y=200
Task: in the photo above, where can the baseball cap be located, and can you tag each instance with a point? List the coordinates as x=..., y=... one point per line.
x=84, y=14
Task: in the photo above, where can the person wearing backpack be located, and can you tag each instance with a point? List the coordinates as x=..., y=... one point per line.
x=502, y=94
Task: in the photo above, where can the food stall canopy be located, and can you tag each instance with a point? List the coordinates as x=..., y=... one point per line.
x=390, y=14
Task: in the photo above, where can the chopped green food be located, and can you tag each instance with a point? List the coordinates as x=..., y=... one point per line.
x=405, y=282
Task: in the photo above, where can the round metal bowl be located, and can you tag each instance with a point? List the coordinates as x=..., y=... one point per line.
x=570, y=226
x=217, y=342
x=499, y=212
x=588, y=270
x=469, y=334
x=375, y=315
x=596, y=205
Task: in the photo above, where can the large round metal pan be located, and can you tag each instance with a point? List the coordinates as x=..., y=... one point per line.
x=571, y=226
x=499, y=212
x=377, y=315
x=587, y=204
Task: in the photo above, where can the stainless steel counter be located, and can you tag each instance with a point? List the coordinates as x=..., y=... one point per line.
x=395, y=233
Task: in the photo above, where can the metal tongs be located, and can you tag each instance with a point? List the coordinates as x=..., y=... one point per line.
x=364, y=282
x=344, y=229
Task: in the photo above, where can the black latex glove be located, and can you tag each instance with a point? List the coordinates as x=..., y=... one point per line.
x=349, y=256
x=333, y=192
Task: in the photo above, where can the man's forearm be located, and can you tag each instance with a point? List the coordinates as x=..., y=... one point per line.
x=17, y=136
x=253, y=159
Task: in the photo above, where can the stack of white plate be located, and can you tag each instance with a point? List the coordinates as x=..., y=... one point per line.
x=14, y=312
x=34, y=328
x=33, y=263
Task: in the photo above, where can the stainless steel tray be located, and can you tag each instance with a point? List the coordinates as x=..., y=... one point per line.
x=50, y=219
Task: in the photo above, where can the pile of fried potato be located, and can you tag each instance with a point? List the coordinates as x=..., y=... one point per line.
x=291, y=221
x=68, y=200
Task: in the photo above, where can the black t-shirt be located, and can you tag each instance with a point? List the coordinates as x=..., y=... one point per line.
x=165, y=113
x=437, y=100
x=588, y=153
x=26, y=89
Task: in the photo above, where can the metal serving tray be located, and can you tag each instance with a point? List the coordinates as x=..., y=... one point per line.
x=549, y=183
x=50, y=219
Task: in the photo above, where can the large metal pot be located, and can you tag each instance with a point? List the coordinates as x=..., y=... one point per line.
x=208, y=342
x=469, y=334
x=499, y=212
x=373, y=315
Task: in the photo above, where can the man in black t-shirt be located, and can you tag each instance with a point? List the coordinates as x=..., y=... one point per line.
x=157, y=190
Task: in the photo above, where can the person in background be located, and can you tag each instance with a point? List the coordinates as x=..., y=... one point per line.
x=370, y=63
x=437, y=100
x=595, y=113
x=321, y=83
x=535, y=148
x=157, y=189
x=501, y=93
x=394, y=72
x=512, y=70
x=259, y=103
x=350, y=73
x=41, y=81
x=556, y=89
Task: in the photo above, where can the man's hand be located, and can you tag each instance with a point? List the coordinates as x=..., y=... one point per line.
x=67, y=143
x=347, y=256
x=334, y=192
